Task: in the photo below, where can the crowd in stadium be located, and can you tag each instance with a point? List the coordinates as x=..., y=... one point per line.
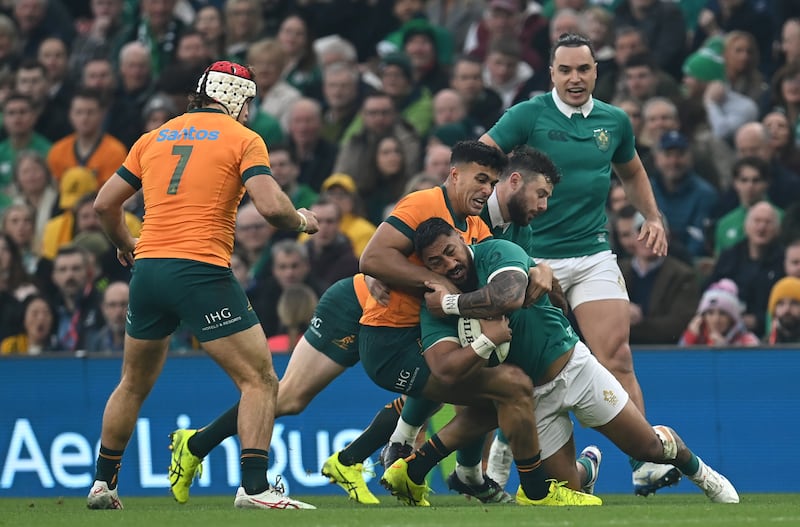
x=359, y=103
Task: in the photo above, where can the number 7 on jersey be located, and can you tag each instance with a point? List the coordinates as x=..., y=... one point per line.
x=184, y=152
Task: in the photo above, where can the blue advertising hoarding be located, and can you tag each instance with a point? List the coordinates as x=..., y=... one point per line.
x=736, y=408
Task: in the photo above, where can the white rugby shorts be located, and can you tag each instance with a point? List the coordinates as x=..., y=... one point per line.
x=587, y=278
x=585, y=388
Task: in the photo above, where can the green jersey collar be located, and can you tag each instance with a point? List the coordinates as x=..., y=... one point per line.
x=495, y=216
x=568, y=109
x=459, y=224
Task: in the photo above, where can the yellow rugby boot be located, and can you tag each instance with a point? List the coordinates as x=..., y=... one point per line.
x=350, y=478
x=396, y=481
x=559, y=496
x=183, y=466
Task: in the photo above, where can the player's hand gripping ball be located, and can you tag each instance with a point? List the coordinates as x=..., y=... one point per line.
x=470, y=328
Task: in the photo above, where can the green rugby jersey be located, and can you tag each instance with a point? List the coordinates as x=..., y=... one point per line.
x=583, y=149
x=541, y=333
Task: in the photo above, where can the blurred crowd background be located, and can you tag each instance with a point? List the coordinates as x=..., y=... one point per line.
x=359, y=103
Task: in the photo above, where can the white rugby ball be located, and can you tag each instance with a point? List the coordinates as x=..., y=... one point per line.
x=470, y=328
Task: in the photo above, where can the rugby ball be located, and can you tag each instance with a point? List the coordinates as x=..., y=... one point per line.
x=470, y=328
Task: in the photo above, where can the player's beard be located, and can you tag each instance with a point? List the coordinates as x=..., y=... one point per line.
x=518, y=213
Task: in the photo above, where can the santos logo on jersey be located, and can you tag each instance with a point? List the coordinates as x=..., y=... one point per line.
x=191, y=133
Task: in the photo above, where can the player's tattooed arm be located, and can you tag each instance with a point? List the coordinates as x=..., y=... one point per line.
x=503, y=294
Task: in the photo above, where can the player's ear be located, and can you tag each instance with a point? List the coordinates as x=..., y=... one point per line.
x=516, y=180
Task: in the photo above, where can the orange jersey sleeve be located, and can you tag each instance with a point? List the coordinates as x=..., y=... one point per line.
x=403, y=308
x=192, y=172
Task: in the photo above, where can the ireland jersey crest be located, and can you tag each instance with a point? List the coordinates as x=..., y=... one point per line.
x=602, y=138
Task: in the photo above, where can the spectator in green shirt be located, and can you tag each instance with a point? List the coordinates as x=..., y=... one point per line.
x=751, y=179
x=285, y=170
x=19, y=119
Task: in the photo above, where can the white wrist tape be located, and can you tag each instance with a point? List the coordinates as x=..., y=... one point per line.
x=303, y=222
x=483, y=346
x=450, y=304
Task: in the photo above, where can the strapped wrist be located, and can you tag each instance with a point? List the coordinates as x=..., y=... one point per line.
x=482, y=346
x=450, y=305
x=303, y=222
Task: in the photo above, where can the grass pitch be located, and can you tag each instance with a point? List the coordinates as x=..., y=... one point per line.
x=672, y=510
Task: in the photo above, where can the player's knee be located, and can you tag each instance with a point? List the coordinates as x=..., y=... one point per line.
x=137, y=384
x=260, y=379
x=668, y=441
x=289, y=407
x=662, y=446
x=132, y=391
x=516, y=384
x=290, y=402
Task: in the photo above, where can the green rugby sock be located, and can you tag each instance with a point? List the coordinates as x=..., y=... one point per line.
x=532, y=477
x=215, y=433
x=634, y=464
x=471, y=455
x=254, y=464
x=108, y=465
x=423, y=460
x=375, y=436
x=587, y=465
x=691, y=467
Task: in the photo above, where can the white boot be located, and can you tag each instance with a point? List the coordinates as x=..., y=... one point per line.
x=498, y=466
x=714, y=485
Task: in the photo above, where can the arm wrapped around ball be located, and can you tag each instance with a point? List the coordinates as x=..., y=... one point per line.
x=494, y=341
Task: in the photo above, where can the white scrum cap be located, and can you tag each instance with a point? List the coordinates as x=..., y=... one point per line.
x=229, y=84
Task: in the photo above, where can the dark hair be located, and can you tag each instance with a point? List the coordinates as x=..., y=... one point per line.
x=190, y=32
x=399, y=175
x=182, y=80
x=626, y=213
x=67, y=45
x=32, y=64
x=645, y=59
x=571, y=40
x=198, y=100
x=429, y=231
x=506, y=45
x=30, y=299
x=470, y=59
x=325, y=199
x=289, y=246
x=16, y=96
x=624, y=31
x=532, y=163
x=284, y=147
x=70, y=249
x=759, y=164
x=378, y=94
x=218, y=46
x=16, y=272
x=308, y=59
x=37, y=296
x=787, y=71
x=89, y=197
x=91, y=94
x=474, y=151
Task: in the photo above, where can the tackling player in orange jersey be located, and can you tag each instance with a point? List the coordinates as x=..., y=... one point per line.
x=194, y=171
